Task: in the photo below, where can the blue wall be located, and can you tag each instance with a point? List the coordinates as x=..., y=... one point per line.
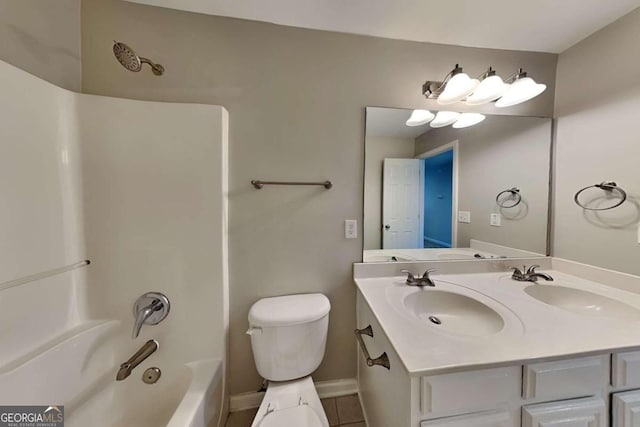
x=438, y=197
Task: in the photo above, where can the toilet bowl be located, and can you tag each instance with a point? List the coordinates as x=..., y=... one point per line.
x=288, y=338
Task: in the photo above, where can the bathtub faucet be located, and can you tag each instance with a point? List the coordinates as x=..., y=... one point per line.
x=151, y=309
x=145, y=351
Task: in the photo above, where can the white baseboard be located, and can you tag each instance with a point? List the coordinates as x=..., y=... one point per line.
x=325, y=389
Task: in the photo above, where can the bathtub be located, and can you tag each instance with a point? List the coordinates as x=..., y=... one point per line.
x=77, y=370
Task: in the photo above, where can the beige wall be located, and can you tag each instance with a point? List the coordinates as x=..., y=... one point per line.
x=500, y=153
x=378, y=149
x=296, y=103
x=43, y=38
x=598, y=139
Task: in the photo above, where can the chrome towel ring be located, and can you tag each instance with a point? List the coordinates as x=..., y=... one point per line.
x=608, y=186
x=515, y=194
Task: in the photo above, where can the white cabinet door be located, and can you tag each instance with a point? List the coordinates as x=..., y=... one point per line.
x=626, y=409
x=483, y=419
x=590, y=412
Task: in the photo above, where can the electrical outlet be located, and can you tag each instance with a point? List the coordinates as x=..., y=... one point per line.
x=350, y=229
x=495, y=220
x=464, y=217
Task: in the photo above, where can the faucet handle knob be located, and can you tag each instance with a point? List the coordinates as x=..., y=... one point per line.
x=532, y=269
x=410, y=277
x=517, y=271
x=150, y=309
x=427, y=272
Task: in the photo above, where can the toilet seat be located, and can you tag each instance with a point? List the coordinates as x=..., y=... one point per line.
x=299, y=416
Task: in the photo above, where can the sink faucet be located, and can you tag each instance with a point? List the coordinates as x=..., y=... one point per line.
x=425, y=280
x=529, y=274
x=145, y=351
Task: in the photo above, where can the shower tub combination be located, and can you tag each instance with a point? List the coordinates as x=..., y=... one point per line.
x=146, y=202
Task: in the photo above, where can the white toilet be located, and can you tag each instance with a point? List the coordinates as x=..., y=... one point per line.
x=288, y=337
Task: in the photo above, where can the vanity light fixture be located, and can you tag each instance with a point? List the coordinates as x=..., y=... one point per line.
x=455, y=87
x=491, y=87
x=468, y=119
x=444, y=118
x=522, y=89
x=419, y=118
x=458, y=86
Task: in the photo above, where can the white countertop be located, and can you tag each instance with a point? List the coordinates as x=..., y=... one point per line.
x=534, y=331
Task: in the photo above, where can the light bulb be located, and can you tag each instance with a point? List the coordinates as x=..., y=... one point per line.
x=520, y=91
x=468, y=119
x=457, y=88
x=444, y=118
x=488, y=90
x=419, y=118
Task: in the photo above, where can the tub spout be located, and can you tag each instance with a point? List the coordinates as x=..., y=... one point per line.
x=145, y=351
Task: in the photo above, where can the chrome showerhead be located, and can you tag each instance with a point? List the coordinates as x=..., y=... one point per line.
x=131, y=61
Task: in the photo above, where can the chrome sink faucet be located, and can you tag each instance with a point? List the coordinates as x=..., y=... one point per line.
x=425, y=280
x=529, y=274
x=145, y=351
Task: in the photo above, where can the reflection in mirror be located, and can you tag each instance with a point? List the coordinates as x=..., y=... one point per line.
x=476, y=192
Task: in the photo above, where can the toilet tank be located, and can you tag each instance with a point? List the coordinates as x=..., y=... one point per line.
x=289, y=335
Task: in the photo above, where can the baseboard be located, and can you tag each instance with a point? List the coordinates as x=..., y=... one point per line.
x=325, y=389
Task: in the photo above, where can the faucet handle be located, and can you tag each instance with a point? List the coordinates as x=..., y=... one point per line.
x=411, y=279
x=517, y=272
x=151, y=309
x=532, y=269
x=427, y=272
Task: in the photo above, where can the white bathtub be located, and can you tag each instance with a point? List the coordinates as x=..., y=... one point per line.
x=78, y=370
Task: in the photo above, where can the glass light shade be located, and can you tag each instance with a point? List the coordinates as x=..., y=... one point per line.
x=468, y=119
x=457, y=88
x=444, y=118
x=488, y=90
x=419, y=118
x=520, y=91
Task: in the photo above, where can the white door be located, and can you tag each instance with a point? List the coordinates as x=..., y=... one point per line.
x=626, y=409
x=401, y=204
x=590, y=412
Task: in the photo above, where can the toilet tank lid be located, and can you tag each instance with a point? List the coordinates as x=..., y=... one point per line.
x=289, y=310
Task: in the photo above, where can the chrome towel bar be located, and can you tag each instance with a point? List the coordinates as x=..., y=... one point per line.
x=259, y=184
x=382, y=360
x=607, y=186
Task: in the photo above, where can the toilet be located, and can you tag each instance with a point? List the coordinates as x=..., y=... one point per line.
x=288, y=338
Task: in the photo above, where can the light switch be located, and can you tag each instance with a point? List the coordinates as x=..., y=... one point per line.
x=464, y=216
x=495, y=220
x=350, y=229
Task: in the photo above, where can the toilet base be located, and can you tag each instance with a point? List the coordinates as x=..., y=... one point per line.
x=291, y=399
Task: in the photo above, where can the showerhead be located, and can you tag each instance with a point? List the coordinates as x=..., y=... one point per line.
x=131, y=61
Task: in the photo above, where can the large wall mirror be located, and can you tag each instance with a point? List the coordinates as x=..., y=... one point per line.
x=434, y=193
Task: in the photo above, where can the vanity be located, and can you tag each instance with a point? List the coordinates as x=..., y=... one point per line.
x=481, y=349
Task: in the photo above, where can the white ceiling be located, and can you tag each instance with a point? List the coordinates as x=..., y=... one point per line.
x=534, y=25
x=391, y=123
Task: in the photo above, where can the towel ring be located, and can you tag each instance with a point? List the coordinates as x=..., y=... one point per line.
x=515, y=191
x=606, y=186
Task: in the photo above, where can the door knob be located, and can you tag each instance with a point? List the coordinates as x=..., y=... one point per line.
x=387, y=227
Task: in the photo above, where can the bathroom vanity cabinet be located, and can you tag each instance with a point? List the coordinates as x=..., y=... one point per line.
x=593, y=391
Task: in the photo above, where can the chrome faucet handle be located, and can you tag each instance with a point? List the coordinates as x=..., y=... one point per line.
x=532, y=269
x=427, y=272
x=150, y=309
x=517, y=272
x=411, y=279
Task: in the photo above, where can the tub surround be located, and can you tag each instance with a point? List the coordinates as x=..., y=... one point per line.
x=532, y=330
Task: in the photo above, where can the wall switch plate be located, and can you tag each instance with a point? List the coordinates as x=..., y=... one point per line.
x=464, y=216
x=350, y=229
x=495, y=220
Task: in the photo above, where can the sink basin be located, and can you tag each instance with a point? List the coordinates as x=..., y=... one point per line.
x=453, y=313
x=582, y=302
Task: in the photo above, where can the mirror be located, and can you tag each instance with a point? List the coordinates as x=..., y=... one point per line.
x=455, y=193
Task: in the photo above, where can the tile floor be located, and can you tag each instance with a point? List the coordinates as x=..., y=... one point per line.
x=343, y=411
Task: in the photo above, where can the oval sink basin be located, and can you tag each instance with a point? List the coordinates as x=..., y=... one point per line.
x=582, y=302
x=453, y=313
